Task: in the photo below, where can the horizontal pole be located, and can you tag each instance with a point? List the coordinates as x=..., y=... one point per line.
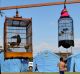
x=38, y=5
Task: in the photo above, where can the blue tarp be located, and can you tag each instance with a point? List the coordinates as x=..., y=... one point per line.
x=12, y=65
x=46, y=62
x=24, y=65
x=74, y=63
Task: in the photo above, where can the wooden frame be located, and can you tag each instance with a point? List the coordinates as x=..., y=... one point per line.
x=11, y=54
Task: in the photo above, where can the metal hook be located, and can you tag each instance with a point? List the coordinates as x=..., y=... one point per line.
x=17, y=14
x=1, y=13
x=65, y=4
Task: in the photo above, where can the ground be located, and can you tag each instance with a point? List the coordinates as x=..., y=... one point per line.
x=42, y=73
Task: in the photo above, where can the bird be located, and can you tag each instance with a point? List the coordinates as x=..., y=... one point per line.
x=18, y=41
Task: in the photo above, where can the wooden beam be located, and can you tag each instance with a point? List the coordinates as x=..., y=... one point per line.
x=38, y=5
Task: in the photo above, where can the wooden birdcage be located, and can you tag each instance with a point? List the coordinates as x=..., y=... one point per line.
x=18, y=37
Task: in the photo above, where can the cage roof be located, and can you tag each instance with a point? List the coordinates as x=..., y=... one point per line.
x=64, y=13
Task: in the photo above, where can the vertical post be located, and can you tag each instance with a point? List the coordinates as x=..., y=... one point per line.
x=5, y=38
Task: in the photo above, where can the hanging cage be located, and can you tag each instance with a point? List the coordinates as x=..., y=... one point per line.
x=18, y=37
x=65, y=30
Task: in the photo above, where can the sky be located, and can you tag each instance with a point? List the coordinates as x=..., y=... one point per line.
x=44, y=23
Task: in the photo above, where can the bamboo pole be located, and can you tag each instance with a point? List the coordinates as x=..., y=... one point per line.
x=39, y=5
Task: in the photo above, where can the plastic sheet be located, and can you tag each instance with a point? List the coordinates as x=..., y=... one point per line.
x=12, y=65
x=46, y=61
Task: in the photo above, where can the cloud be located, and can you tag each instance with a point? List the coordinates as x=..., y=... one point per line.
x=77, y=43
x=54, y=48
x=1, y=42
x=43, y=46
x=47, y=46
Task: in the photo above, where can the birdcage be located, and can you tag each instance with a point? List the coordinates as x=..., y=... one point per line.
x=18, y=37
x=65, y=30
